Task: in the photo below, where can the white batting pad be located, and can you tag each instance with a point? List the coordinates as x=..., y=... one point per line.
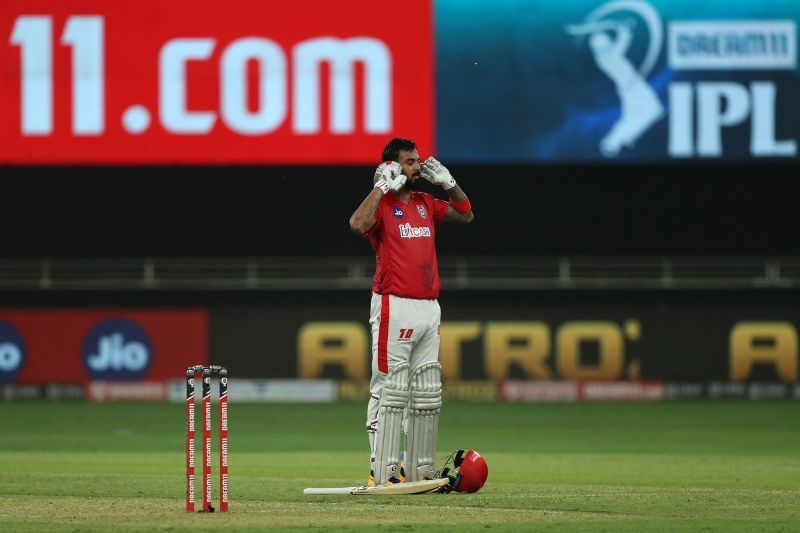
x=394, y=399
x=425, y=390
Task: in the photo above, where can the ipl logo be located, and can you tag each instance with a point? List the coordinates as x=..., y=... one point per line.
x=609, y=40
x=699, y=110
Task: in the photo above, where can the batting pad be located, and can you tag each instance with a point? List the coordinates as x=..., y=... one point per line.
x=394, y=398
x=425, y=390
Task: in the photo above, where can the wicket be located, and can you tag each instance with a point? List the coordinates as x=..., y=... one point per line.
x=191, y=374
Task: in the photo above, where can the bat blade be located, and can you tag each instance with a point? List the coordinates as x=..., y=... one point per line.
x=413, y=487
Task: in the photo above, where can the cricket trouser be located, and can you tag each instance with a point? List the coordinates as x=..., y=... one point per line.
x=404, y=330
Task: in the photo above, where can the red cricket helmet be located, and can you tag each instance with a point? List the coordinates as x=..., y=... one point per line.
x=472, y=471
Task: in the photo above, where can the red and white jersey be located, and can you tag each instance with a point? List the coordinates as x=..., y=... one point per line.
x=404, y=240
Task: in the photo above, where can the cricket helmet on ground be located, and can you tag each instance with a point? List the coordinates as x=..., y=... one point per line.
x=470, y=470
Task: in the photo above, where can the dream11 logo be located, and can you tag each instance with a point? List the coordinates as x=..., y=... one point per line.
x=114, y=82
x=12, y=353
x=308, y=56
x=117, y=350
x=735, y=45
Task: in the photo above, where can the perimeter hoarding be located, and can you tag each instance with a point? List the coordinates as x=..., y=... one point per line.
x=316, y=82
x=488, y=336
x=243, y=81
x=79, y=346
x=617, y=80
x=487, y=339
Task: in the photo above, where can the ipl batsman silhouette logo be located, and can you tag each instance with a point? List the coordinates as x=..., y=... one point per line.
x=609, y=40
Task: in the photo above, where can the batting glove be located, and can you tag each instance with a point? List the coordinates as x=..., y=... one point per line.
x=437, y=173
x=389, y=177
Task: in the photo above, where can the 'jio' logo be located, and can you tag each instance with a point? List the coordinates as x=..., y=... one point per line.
x=12, y=353
x=117, y=350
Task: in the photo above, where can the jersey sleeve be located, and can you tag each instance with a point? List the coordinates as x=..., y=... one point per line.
x=378, y=221
x=440, y=208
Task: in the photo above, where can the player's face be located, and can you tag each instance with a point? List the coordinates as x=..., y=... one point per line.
x=409, y=160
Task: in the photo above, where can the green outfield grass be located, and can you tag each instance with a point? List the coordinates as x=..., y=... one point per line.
x=613, y=467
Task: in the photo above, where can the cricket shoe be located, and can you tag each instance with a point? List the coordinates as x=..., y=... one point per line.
x=392, y=480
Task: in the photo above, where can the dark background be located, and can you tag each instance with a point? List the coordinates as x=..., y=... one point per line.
x=736, y=209
x=703, y=209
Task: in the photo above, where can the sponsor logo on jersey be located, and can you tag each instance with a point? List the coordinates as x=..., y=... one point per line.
x=422, y=212
x=398, y=211
x=409, y=232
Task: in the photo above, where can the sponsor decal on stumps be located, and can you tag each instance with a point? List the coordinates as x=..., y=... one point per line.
x=207, y=372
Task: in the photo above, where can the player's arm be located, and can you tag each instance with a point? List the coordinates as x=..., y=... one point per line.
x=458, y=200
x=363, y=218
x=388, y=177
x=459, y=210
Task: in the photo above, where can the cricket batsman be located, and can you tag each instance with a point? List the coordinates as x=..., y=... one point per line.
x=406, y=384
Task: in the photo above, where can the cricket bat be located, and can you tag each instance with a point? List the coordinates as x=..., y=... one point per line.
x=412, y=487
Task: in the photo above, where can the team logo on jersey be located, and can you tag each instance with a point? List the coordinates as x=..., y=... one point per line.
x=421, y=209
x=409, y=232
x=398, y=211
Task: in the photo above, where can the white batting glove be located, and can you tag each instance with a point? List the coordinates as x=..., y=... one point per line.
x=437, y=173
x=389, y=177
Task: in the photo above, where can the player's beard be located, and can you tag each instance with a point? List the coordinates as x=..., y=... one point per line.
x=412, y=185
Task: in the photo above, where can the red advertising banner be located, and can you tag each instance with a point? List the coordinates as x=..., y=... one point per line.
x=81, y=346
x=212, y=81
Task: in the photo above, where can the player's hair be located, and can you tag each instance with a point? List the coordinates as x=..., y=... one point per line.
x=391, y=152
